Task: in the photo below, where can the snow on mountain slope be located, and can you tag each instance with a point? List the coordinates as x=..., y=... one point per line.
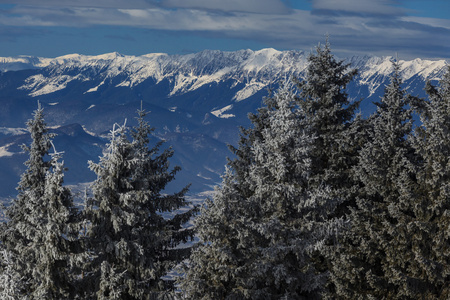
x=220, y=112
x=255, y=69
x=185, y=72
x=375, y=71
x=12, y=131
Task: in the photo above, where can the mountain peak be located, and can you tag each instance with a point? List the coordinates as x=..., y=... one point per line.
x=268, y=52
x=108, y=56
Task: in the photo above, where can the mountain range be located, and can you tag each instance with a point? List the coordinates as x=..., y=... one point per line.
x=196, y=101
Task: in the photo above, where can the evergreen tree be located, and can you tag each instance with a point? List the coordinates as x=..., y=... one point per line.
x=373, y=255
x=40, y=228
x=330, y=114
x=244, y=157
x=214, y=271
x=135, y=228
x=340, y=134
x=60, y=250
x=10, y=281
x=218, y=264
x=429, y=269
x=256, y=241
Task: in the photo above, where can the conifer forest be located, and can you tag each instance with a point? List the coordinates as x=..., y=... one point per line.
x=317, y=202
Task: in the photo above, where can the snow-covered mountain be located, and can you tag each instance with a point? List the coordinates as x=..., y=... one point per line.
x=254, y=69
x=197, y=100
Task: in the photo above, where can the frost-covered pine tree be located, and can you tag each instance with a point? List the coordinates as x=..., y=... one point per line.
x=215, y=267
x=244, y=157
x=59, y=247
x=372, y=257
x=135, y=228
x=39, y=234
x=11, y=285
x=256, y=242
x=330, y=114
x=428, y=274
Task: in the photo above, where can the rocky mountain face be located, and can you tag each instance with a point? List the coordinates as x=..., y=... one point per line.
x=197, y=102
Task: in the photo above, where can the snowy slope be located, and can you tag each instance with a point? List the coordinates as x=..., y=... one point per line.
x=256, y=69
x=186, y=73
x=375, y=71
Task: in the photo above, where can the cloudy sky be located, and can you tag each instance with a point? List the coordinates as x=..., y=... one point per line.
x=49, y=28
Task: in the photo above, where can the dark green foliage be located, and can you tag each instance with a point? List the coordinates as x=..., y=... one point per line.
x=339, y=135
x=11, y=286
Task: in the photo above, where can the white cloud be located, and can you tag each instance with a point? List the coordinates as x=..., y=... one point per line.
x=381, y=7
x=438, y=23
x=252, y=6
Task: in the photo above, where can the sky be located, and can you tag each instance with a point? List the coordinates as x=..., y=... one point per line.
x=50, y=28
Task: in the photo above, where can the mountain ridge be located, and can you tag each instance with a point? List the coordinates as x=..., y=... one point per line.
x=192, y=71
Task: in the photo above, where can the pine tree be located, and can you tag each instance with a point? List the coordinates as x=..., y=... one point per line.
x=214, y=270
x=340, y=134
x=256, y=241
x=217, y=265
x=293, y=219
x=429, y=269
x=135, y=228
x=244, y=157
x=330, y=114
x=11, y=284
x=40, y=228
x=373, y=253
x=59, y=249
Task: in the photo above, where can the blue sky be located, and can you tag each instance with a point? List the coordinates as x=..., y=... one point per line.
x=51, y=28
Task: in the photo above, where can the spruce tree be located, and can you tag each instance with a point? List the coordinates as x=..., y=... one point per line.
x=256, y=242
x=340, y=134
x=372, y=256
x=135, y=228
x=214, y=270
x=60, y=250
x=40, y=228
x=429, y=269
x=243, y=154
x=330, y=114
x=11, y=284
